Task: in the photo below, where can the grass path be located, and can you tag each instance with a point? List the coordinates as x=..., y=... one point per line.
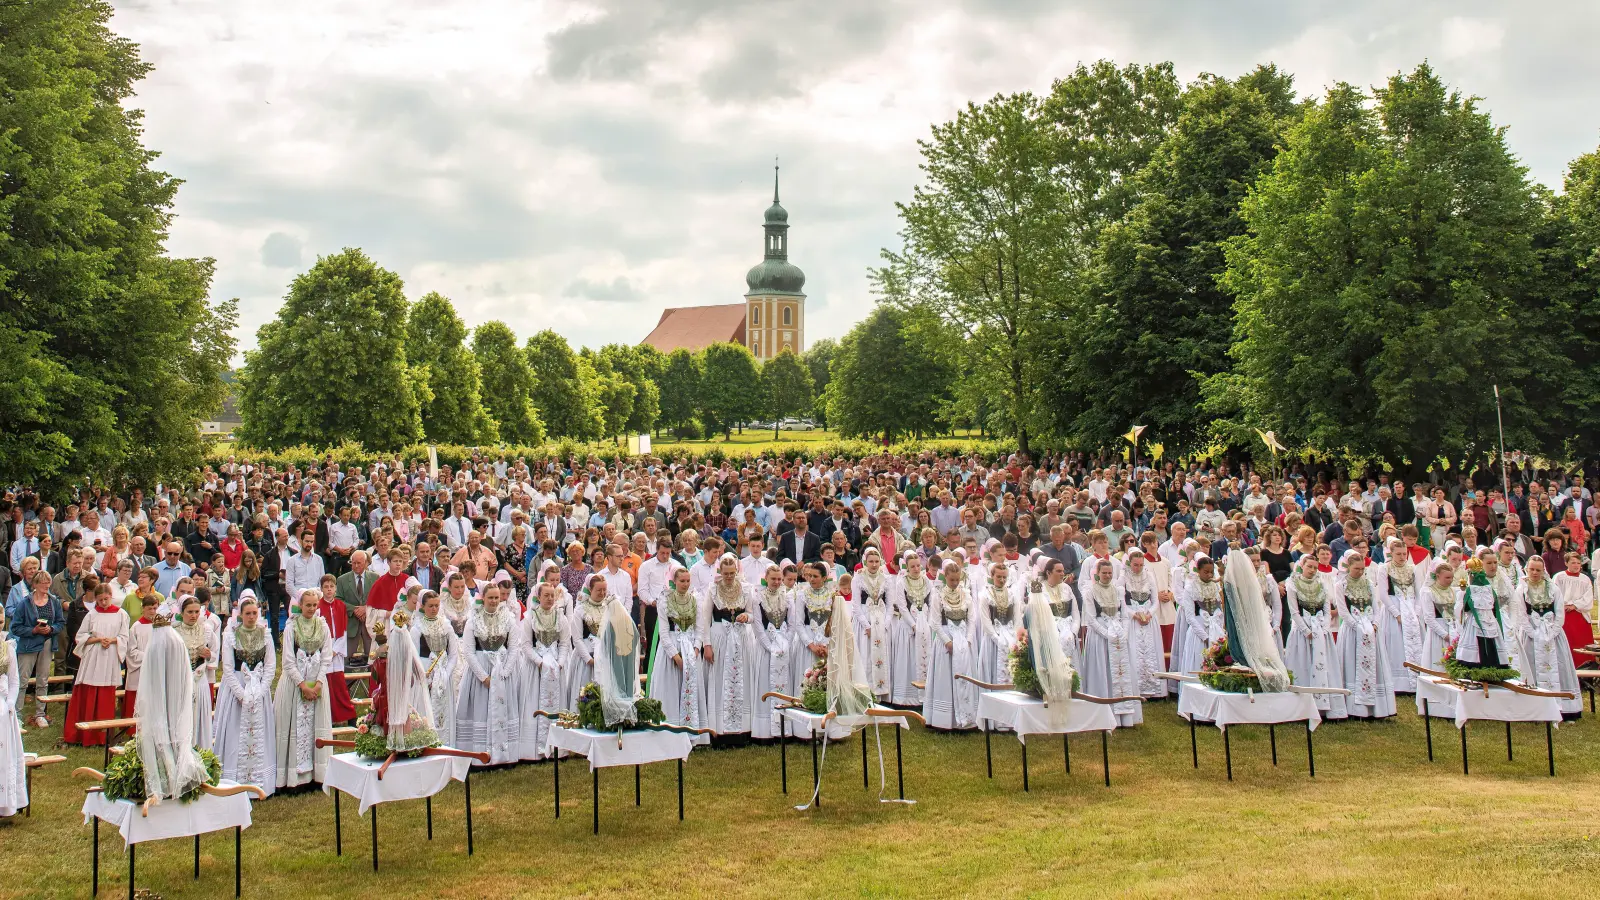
x=1378, y=820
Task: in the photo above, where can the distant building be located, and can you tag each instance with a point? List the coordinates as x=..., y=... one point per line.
x=771, y=319
x=228, y=419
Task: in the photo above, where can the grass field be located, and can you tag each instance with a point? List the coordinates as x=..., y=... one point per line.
x=1378, y=820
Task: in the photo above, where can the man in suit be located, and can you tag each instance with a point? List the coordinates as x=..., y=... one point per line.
x=799, y=544
x=555, y=523
x=888, y=540
x=351, y=589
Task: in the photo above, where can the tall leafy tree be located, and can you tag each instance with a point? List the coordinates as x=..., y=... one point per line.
x=507, y=383
x=1155, y=322
x=640, y=366
x=888, y=379
x=1570, y=322
x=332, y=366
x=680, y=388
x=616, y=394
x=1389, y=253
x=110, y=352
x=786, y=388
x=730, y=387
x=567, y=401
x=437, y=344
x=817, y=359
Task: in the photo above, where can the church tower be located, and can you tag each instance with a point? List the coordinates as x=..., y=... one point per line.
x=775, y=305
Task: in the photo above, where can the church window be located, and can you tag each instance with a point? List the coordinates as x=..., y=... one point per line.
x=755, y=315
x=788, y=315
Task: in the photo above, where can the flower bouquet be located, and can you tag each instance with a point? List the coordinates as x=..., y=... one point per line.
x=1220, y=672
x=592, y=716
x=814, y=687
x=1462, y=671
x=1024, y=677
x=373, y=743
x=125, y=776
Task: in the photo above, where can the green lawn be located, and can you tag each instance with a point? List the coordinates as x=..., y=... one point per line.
x=1379, y=820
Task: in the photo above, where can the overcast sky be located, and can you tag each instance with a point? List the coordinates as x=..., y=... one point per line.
x=581, y=166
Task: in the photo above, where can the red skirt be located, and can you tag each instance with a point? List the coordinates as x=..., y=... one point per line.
x=1166, y=637
x=89, y=703
x=1579, y=635
x=339, y=698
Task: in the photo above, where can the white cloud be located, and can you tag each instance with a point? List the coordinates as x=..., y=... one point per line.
x=1471, y=37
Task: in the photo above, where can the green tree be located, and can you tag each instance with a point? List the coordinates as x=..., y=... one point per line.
x=616, y=395
x=888, y=379
x=730, y=388
x=785, y=387
x=680, y=388
x=507, y=384
x=817, y=360
x=1156, y=322
x=1569, y=351
x=1389, y=254
x=568, y=403
x=437, y=345
x=110, y=352
x=332, y=366
x=639, y=366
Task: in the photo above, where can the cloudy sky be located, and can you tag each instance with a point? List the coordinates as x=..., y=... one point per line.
x=581, y=166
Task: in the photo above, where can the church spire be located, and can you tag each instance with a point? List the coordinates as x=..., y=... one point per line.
x=774, y=179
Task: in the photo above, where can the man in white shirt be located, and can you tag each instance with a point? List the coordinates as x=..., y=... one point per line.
x=704, y=572
x=342, y=538
x=304, y=570
x=1098, y=485
x=655, y=574
x=1171, y=549
x=946, y=516
x=457, y=526
x=618, y=582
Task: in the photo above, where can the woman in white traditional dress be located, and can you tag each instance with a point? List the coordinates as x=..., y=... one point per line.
x=1140, y=598
x=675, y=676
x=728, y=650
x=1543, y=655
x=999, y=617
x=816, y=605
x=1399, y=614
x=1271, y=597
x=911, y=631
x=1309, y=650
x=457, y=604
x=546, y=641
x=550, y=573
x=950, y=704
x=1109, y=669
x=870, y=592
x=204, y=649
x=585, y=635
x=1200, y=616
x=774, y=647
x=13, y=767
x=301, y=703
x=489, y=709
x=172, y=763
x=1052, y=586
x=245, y=742
x=1436, y=606
x=1362, y=646
x=440, y=652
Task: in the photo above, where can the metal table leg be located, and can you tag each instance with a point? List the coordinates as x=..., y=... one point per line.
x=94, y=879
x=680, y=790
x=636, y=793
x=783, y=750
x=816, y=772
x=1227, y=751
x=899, y=768
x=557, y=760
x=1550, y=748
x=1311, y=754
x=1105, y=755
x=1066, y=751
x=1508, y=742
x=864, y=783
x=1272, y=733
x=338, y=833
x=375, y=837
x=133, y=851
x=238, y=857
x=429, y=802
x=597, y=800
x=1024, y=766
x=1463, y=748
x=1427, y=726
x=467, y=783
x=1194, y=748
x=988, y=749
x=197, y=857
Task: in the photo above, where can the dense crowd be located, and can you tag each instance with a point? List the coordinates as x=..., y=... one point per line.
x=504, y=569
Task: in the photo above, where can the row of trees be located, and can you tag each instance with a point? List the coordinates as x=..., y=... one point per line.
x=1355, y=272
x=348, y=358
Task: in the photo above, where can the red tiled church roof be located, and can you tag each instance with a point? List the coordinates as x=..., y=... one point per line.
x=697, y=327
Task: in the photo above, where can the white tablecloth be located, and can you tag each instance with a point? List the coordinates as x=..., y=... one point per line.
x=407, y=779
x=802, y=722
x=169, y=818
x=1028, y=715
x=1500, y=705
x=1222, y=708
x=637, y=748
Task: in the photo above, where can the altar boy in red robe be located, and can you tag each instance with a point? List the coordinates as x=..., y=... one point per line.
x=331, y=608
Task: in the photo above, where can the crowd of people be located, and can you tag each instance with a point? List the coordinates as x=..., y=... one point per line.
x=279, y=582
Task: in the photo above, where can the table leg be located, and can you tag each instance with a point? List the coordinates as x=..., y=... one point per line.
x=864, y=783
x=1066, y=751
x=197, y=857
x=1550, y=748
x=680, y=790
x=94, y=879
x=636, y=793
x=1508, y=742
x=1311, y=754
x=1463, y=748
x=28, y=778
x=1227, y=751
x=1272, y=733
x=783, y=750
x=1024, y=766
x=597, y=800
x=557, y=760
x=1194, y=748
x=899, y=768
x=374, y=837
x=133, y=850
x=1427, y=726
x=988, y=750
x=429, y=802
x=1105, y=755
x=467, y=783
x=238, y=857
x=816, y=773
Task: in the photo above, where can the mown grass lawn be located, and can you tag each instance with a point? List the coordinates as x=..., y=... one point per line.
x=1379, y=820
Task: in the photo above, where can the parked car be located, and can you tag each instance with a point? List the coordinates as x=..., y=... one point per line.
x=797, y=425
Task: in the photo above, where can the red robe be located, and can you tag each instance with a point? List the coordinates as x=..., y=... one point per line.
x=343, y=710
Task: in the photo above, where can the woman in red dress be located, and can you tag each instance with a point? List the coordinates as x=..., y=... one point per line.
x=100, y=645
